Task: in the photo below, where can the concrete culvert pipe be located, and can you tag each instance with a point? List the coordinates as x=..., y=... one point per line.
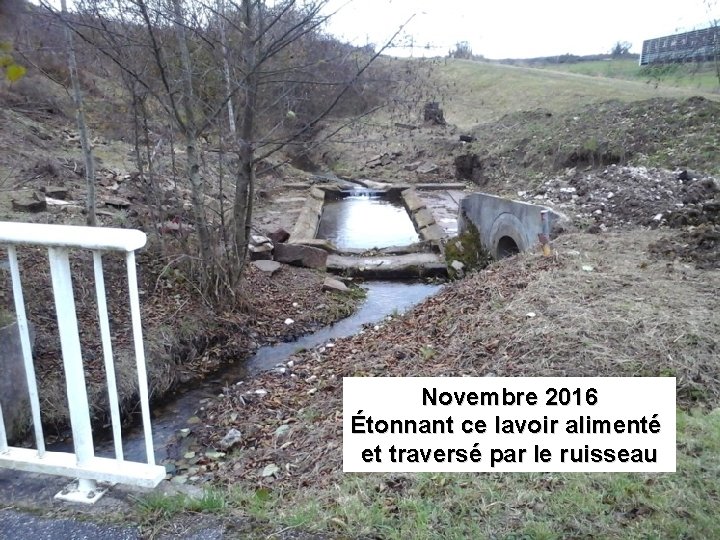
x=507, y=247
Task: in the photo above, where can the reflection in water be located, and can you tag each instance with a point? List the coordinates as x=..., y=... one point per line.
x=366, y=222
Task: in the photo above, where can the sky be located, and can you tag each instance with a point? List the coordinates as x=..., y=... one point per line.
x=518, y=28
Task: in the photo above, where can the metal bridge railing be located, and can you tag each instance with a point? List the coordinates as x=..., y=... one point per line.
x=82, y=464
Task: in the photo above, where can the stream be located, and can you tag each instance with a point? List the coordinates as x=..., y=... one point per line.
x=383, y=298
x=360, y=220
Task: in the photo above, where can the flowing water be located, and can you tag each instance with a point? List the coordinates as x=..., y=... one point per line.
x=383, y=299
x=362, y=219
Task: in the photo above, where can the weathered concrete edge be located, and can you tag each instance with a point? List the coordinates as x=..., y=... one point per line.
x=411, y=271
x=422, y=246
x=307, y=223
x=422, y=217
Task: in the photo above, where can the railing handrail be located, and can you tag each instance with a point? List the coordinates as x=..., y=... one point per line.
x=71, y=236
x=59, y=240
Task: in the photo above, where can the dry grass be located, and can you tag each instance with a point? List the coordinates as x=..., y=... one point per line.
x=601, y=307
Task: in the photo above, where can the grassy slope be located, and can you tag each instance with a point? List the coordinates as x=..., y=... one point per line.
x=480, y=92
x=692, y=76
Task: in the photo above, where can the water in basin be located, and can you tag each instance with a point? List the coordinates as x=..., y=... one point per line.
x=366, y=220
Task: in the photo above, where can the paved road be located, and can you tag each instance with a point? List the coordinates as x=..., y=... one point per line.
x=17, y=526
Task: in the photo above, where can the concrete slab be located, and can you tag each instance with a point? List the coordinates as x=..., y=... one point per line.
x=445, y=186
x=444, y=206
x=414, y=265
x=413, y=202
x=423, y=218
x=432, y=233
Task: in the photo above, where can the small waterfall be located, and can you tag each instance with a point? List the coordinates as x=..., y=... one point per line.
x=362, y=192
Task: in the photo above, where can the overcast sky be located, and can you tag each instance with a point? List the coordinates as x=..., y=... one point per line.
x=519, y=28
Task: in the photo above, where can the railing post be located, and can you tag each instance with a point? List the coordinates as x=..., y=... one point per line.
x=26, y=350
x=74, y=373
x=108, y=354
x=140, y=355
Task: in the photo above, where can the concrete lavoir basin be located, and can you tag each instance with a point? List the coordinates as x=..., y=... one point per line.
x=365, y=219
x=358, y=221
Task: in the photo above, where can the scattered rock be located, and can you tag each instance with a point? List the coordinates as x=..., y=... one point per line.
x=29, y=202
x=116, y=202
x=55, y=192
x=457, y=269
x=279, y=236
x=271, y=267
x=282, y=430
x=270, y=470
x=410, y=127
x=232, y=438
x=299, y=255
x=467, y=138
x=260, y=247
x=259, y=240
x=331, y=284
x=428, y=168
x=382, y=160
x=59, y=202
x=686, y=174
x=412, y=166
x=260, y=253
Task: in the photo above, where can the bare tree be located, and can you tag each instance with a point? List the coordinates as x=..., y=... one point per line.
x=462, y=50
x=269, y=66
x=88, y=159
x=620, y=49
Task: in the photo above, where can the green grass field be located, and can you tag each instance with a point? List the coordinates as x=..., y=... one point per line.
x=478, y=92
x=692, y=76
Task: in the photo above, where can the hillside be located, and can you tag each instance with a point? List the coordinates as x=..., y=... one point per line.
x=625, y=294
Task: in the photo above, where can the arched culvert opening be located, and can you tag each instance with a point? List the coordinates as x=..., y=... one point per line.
x=507, y=247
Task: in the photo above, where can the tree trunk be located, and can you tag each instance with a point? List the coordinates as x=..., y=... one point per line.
x=226, y=69
x=197, y=194
x=245, y=182
x=80, y=115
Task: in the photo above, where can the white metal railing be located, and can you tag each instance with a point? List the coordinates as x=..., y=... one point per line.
x=82, y=464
